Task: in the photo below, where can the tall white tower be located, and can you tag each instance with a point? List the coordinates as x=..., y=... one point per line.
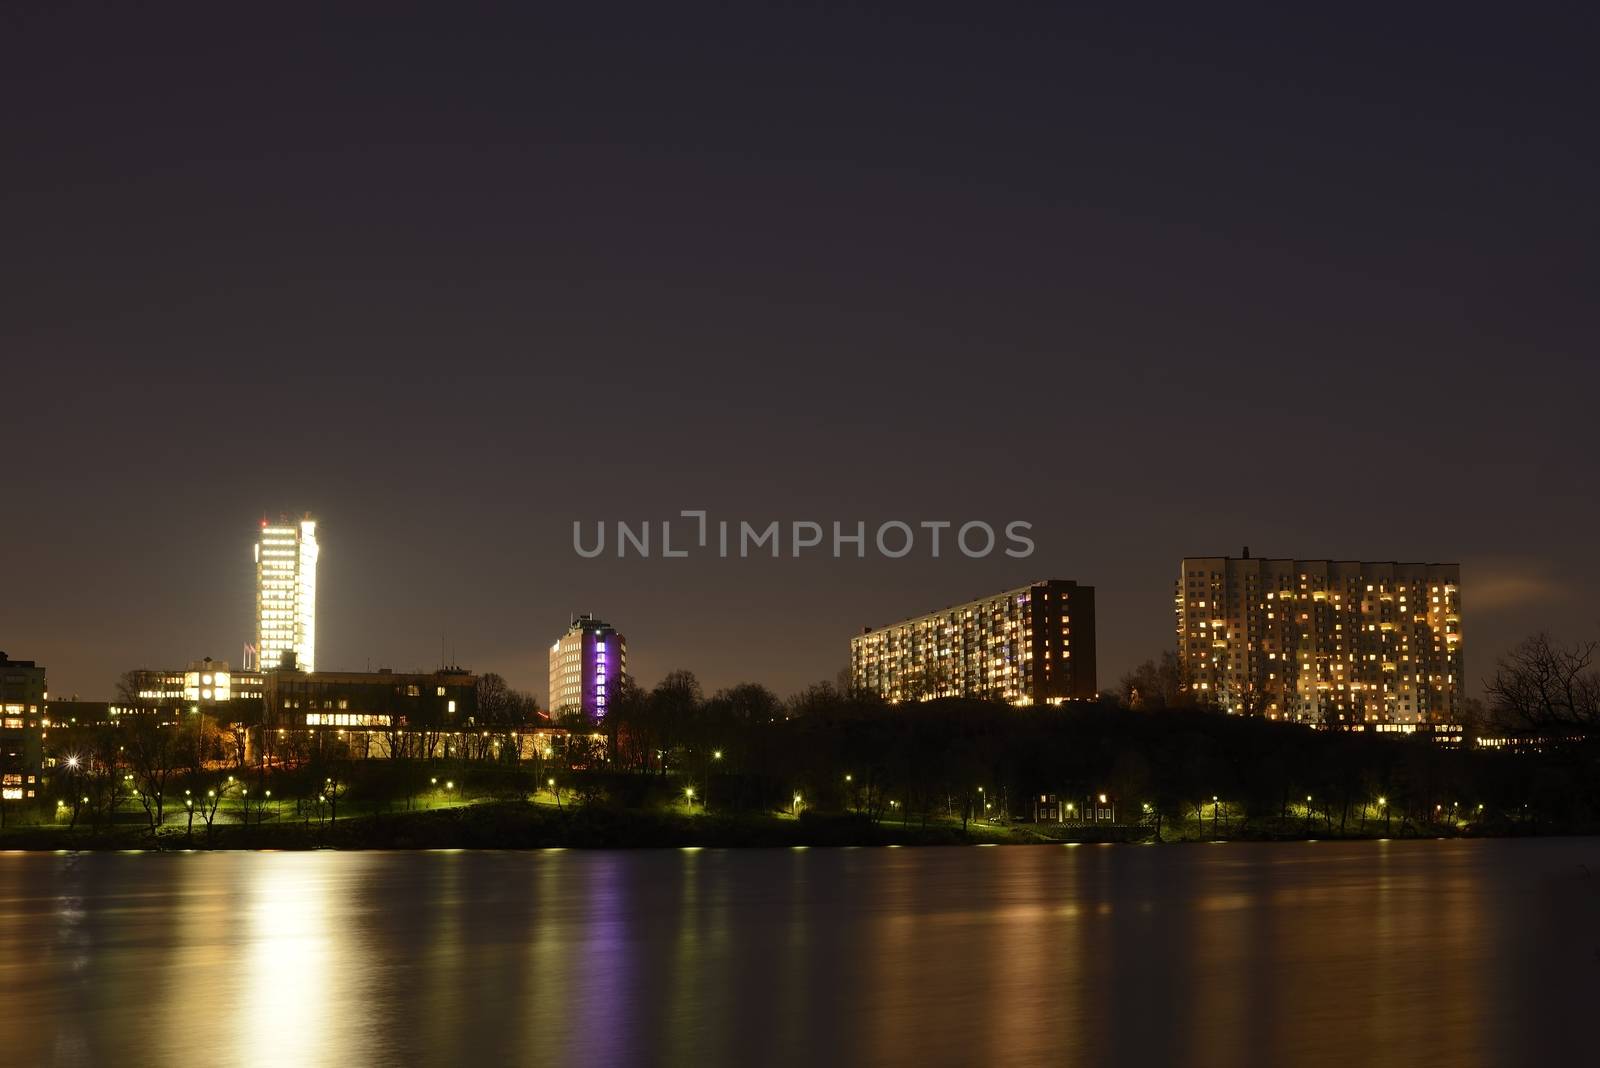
x=286, y=594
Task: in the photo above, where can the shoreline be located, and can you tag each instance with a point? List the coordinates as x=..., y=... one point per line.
x=512, y=825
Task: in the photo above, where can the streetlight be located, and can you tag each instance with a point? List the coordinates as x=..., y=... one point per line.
x=688, y=796
x=716, y=754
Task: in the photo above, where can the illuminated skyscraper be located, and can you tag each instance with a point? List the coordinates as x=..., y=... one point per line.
x=1033, y=645
x=586, y=665
x=1336, y=643
x=286, y=594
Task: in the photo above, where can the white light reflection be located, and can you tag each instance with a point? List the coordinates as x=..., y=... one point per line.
x=284, y=1016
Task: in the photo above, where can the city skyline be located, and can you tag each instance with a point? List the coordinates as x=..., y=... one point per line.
x=299, y=541
x=558, y=533
x=1103, y=281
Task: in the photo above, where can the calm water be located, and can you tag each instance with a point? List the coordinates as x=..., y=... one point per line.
x=1416, y=953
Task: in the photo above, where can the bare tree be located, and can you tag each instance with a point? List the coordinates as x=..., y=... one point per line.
x=1541, y=683
x=210, y=801
x=153, y=758
x=128, y=688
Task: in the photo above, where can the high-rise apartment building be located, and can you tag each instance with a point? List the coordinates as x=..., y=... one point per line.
x=1325, y=642
x=286, y=594
x=586, y=665
x=1031, y=645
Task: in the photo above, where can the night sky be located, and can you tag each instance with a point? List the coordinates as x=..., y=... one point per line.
x=1159, y=281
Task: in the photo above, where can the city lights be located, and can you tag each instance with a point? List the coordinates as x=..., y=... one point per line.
x=1323, y=642
x=1030, y=645
x=286, y=595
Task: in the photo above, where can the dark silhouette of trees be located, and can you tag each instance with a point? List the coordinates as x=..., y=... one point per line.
x=153, y=756
x=1543, y=684
x=1156, y=684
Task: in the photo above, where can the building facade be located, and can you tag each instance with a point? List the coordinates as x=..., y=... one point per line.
x=587, y=663
x=206, y=684
x=23, y=692
x=286, y=595
x=380, y=699
x=1027, y=646
x=1337, y=643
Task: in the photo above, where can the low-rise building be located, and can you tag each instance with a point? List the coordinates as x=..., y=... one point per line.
x=23, y=692
x=364, y=707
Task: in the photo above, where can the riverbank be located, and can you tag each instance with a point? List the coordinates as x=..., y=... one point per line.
x=517, y=825
x=521, y=825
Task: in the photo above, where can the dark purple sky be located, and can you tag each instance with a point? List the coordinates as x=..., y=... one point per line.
x=1162, y=282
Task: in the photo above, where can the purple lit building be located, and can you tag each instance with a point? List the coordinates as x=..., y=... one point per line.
x=586, y=665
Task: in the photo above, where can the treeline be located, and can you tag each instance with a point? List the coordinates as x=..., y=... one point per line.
x=1154, y=759
x=954, y=757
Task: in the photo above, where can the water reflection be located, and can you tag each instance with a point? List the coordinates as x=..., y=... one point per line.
x=286, y=961
x=1403, y=953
